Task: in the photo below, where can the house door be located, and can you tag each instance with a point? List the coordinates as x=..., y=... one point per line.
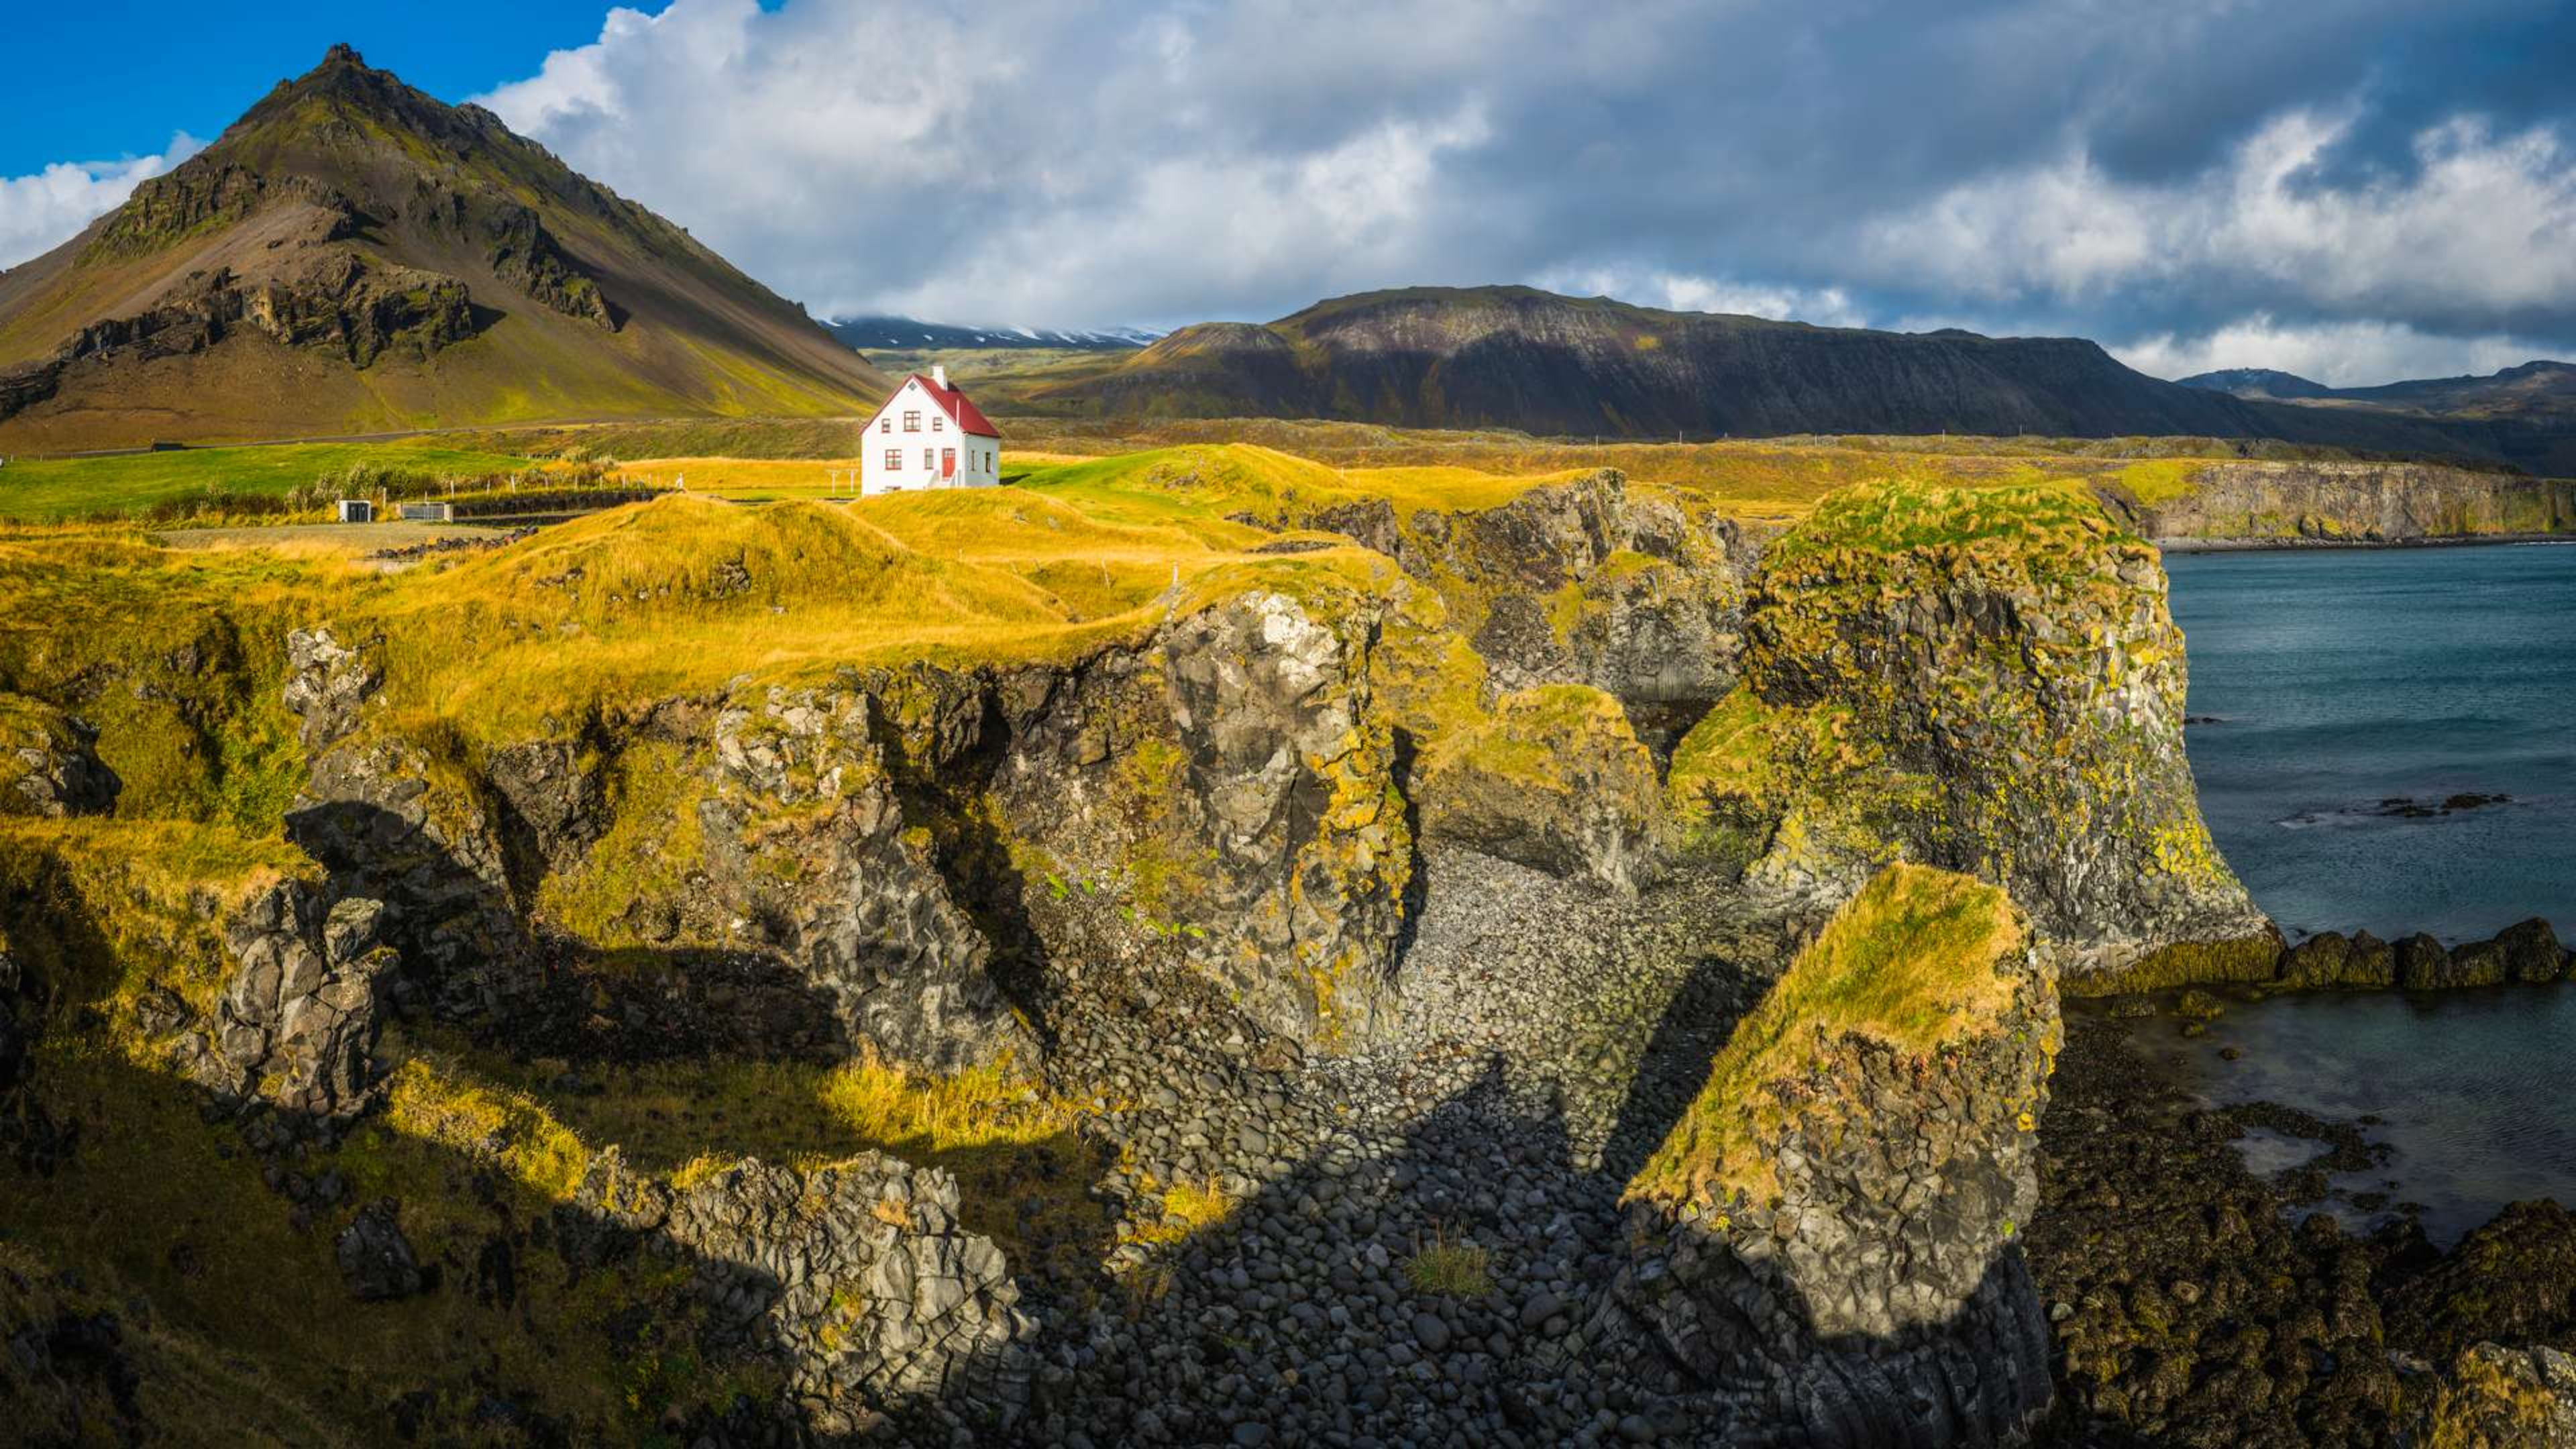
x=948, y=462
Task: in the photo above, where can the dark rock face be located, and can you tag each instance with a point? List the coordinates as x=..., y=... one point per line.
x=29, y=1134
x=809, y=838
x=856, y=1276
x=299, y=1016
x=378, y=814
x=2330, y=958
x=49, y=763
x=527, y=256
x=1221, y=802
x=376, y=1260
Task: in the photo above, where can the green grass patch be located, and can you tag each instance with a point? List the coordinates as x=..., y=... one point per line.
x=223, y=481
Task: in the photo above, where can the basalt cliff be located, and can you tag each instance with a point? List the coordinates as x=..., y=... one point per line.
x=1225, y=954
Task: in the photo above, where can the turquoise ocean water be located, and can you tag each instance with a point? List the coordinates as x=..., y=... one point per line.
x=2338, y=682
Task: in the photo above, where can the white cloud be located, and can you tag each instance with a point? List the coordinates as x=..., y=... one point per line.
x=40, y=212
x=1055, y=164
x=2338, y=354
x=2475, y=231
x=1683, y=292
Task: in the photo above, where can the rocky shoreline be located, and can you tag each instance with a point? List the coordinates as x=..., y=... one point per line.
x=2195, y=1302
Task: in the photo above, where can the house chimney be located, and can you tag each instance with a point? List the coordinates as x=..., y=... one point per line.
x=939, y=377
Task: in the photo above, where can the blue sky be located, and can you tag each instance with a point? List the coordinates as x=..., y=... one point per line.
x=2353, y=189
x=132, y=73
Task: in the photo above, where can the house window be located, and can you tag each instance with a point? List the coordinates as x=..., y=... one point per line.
x=894, y=460
x=925, y=458
x=912, y=422
x=886, y=424
x=939, y=425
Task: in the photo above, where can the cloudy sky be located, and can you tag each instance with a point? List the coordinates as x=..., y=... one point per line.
x=2356, y=190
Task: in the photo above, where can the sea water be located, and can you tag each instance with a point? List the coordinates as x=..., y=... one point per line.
x=2330, y=683
x=2331, y=686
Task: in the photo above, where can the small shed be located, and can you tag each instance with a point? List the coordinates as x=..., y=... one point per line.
x=429, y=512
x=357, y=510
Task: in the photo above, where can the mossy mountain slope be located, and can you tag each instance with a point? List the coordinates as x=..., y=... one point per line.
x=1518, y=357
x=353, y=255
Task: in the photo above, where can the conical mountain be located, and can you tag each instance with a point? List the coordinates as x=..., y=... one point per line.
x=353, y=255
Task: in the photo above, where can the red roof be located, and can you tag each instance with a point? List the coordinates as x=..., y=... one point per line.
x=968, y=417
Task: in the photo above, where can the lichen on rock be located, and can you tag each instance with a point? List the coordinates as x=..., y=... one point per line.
x=1988, y=680
x=1221, y=801
x=1835, y=1218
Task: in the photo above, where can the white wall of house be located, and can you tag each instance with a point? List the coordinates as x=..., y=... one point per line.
x=907, y=439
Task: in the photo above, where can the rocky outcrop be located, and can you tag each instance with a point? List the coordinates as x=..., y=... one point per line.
x=527, y=256
x=1831, y=1231
x=2506, y=1398
x=2526, y=953
x=395, y=824
x=297, y=1021
x=856, y=1277
x=376, y=1260
x=335, y=300
x=808, y=839
x=49, y=763
x=1584, y=582
x=1221, y=801
x=2348, y=503
x=1988, y=681
x=1555, y=780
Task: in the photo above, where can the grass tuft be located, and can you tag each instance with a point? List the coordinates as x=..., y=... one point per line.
x=1450, y=1266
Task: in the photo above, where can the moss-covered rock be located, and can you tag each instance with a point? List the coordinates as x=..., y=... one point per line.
x=1837, y=1214
x=2499, y=1397
x=1556, y=779
x=2331, y=958
x=1987, y=680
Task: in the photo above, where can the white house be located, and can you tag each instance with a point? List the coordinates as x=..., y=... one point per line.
x=928, y=435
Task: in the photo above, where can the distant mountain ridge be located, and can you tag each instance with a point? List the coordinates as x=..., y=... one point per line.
x=2539, y=390
x=354, y=255
x=905, y=334
x=1517, y=357
x=2256, y=382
